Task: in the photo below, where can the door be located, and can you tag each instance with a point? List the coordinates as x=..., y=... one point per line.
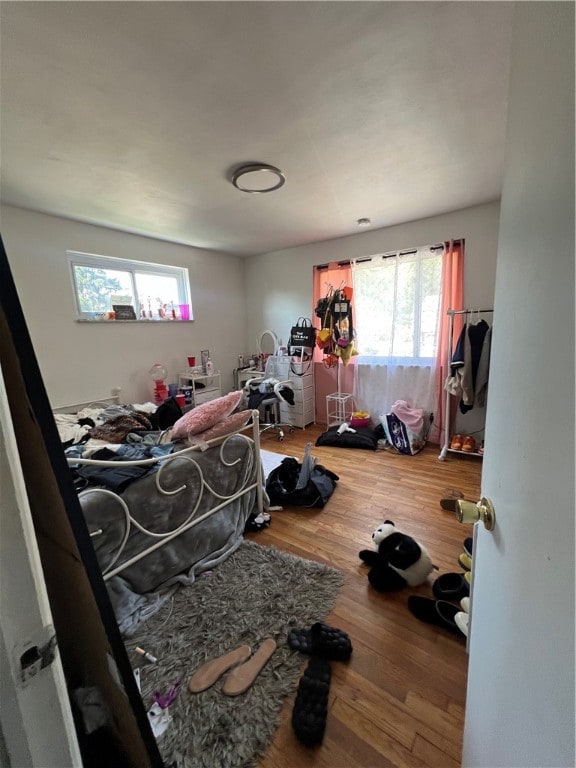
x=520, y=698
x=26, y=622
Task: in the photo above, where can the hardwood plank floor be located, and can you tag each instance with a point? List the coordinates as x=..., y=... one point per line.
x=400, y=700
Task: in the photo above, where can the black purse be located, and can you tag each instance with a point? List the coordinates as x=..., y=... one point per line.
x=303, y=334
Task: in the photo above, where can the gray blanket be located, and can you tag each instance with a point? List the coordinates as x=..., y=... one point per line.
x=142, y=588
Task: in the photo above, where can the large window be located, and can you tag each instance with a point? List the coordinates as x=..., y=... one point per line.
x=153, y=291
x=397, y=301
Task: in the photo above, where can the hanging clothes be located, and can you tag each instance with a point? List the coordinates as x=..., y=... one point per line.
x=464, y=381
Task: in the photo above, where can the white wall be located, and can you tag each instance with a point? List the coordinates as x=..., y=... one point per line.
x=279, y=285
x=83, y=361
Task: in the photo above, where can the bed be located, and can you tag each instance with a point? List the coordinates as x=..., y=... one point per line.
x=181, y=513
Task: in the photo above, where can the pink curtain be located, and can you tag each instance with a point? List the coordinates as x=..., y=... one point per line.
x=451, y=298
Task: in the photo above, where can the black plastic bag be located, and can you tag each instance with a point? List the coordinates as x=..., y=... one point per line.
x=281, y=485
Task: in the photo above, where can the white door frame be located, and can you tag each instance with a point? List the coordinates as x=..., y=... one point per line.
x=35, y=715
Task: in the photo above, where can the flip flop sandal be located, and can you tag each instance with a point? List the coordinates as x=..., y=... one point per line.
x=321, y=640
x=465, y=604
x=468, y=544
x=465, y=561
x=242, y=677
x=438, y=612
x=450, y=586
x=449, y=498
x=206, y=675
x=468, y=577
x=311, y=704
x=451, y=493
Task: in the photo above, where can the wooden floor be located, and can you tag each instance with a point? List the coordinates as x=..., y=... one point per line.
x=400, y=700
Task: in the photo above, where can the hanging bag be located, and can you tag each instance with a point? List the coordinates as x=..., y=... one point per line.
x=303, y=334
x=323, y=305
x=324, y=335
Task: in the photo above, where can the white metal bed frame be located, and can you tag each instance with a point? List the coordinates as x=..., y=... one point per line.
x=161, y=539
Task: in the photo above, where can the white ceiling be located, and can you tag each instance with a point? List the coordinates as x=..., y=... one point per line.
x=133, y=115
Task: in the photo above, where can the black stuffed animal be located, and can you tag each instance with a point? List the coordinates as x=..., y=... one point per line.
x=397, y=560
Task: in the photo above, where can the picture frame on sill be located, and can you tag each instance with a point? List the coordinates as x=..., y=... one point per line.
x=124, y=312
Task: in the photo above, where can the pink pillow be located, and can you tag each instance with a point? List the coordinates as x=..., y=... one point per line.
x=204, y=416
x=229, y=424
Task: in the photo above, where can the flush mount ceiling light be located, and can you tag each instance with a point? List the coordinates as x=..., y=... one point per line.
x=363, y=222
x=258, y=177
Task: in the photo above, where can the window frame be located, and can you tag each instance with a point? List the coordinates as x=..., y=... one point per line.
x=416, y=359
x=132, y=267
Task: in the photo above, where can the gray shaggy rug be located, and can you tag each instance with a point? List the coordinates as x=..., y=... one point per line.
x=258, y=592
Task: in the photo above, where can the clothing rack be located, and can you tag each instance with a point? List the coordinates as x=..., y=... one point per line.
x=446, y=416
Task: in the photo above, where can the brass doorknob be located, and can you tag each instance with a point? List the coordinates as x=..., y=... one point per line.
x=469, y=512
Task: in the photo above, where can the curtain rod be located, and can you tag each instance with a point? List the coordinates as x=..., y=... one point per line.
x=347, y=262
x=466, y=311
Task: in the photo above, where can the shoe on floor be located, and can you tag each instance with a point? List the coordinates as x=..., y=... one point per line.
x=462, y=619
x=321, y=640
x=311, y=704
x=242, y=677
x=468, y=544
x=456, y=442
x=206, y=675
x=450, y=586
x=465, y=561
x=468, y=577
x=449, y=498
x=465, y=604
x=438, y=612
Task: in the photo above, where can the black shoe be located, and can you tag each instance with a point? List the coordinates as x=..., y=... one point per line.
x=311, y=705
x=438, y=612
x=450, y=586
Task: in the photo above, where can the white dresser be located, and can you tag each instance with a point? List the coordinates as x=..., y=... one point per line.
x=301, y=375
x=203, y=386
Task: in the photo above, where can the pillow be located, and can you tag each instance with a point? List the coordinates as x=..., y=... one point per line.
x=204, y=416
x=364, y=437
x=226, y=425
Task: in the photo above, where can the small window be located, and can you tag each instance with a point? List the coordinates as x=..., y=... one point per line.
x=108, y=288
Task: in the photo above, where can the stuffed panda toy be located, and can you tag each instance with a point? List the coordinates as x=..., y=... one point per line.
x=397, y=560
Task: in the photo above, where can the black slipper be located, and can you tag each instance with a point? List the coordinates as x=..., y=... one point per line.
x=438, y=612
x=468, y=543
x=450, y=586
x=321, y=640
x=311, y=704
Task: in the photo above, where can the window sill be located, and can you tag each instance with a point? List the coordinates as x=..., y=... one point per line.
x=137, y=320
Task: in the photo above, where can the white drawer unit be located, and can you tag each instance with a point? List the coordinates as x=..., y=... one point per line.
x=301, y=376
x=204, y=387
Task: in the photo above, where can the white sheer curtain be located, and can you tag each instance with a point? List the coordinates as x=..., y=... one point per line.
x=397, y=311
x=377, y=387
